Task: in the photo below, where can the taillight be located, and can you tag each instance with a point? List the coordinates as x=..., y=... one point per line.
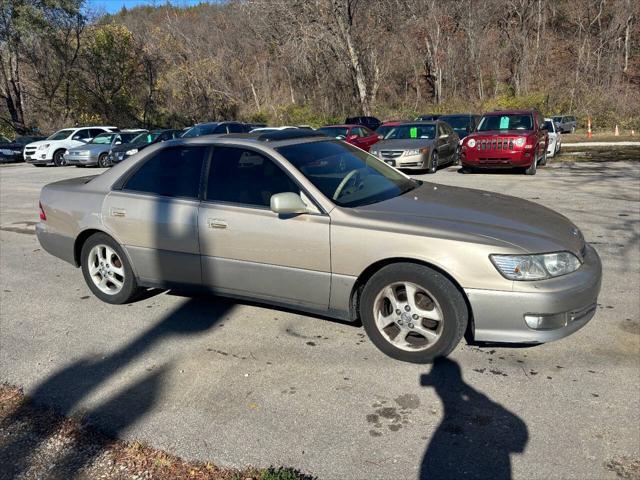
x=43, y=216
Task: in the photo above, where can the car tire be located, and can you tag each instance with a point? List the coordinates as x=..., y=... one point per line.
x=558, y=149
x=434, y=296
x=433, y=163
x=107, y=271
x=103, y=160
x=532, y=168
x=543, y=161
x=573, y=129
x=58, y=158
x=456, y=157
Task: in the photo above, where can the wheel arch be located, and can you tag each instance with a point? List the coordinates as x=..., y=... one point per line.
x=367, y=273
x=84, y=235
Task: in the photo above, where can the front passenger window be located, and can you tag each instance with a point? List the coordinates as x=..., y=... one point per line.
x=245, y=177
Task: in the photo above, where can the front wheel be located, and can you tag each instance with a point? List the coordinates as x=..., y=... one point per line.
x=103, y=160
x=58, y=159
x=433, y=163
x=532, y=168
x=413, y=313
x=107, y=271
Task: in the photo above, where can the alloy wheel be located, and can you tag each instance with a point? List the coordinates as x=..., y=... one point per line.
x=408, y=316
x=106, y=269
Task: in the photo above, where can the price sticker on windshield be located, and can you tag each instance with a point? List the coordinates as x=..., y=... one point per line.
x=504, y=123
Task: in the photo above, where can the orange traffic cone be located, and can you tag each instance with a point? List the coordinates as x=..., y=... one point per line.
x=589, y=126
x=616, y=132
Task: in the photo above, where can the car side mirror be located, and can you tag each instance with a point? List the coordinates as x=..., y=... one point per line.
x=444, y=135
x=380, y=137
x=118, y=142
x=287, y=202
x=340, y=137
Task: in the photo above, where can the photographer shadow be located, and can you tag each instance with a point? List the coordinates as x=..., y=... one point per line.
x=476, y=436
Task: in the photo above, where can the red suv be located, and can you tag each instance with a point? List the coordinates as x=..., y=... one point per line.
x=357, y=135
x=510, y=138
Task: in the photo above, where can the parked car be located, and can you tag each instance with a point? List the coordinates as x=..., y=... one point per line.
x=372, y=123
x=386, y=127
x=13, y=150
x=52, y=149
x=272, y=129
x=462, y=123
x=96, y=152
x=555, y=138
x=418, y=146
x=507, y=139
x=427, y=117
x=357, y=135
x=213, y=128
x=280, y=218
x=118, y=153
x=566, y=123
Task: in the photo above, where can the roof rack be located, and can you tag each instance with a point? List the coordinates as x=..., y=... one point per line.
x=288, y=135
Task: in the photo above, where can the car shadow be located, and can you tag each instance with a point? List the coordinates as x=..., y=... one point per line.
x=65, y=390
x=476, y=436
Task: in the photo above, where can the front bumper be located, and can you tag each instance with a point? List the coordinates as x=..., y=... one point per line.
x=81, y=160
x=472, y=157
x=38, y=157
x=409, y=162
x=570, y=301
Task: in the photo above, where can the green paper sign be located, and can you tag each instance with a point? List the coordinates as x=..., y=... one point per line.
x=413, y=132
x=504, y=123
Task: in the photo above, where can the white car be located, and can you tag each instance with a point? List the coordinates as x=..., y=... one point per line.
x=52, y=149
x=555, y=137
x=272, y=129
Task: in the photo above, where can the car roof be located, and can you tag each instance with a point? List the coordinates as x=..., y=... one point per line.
x=510, y=112
x=458, y=115
x=269, y=139
x=420, y=122
x=345, y=125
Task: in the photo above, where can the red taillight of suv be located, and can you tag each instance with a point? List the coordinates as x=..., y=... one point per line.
x=43, y=216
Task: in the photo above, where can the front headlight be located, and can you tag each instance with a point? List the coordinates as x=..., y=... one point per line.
x=133, y=151
x=471, y=143
x=519, y=141
x=536, y=267
x=43, y=147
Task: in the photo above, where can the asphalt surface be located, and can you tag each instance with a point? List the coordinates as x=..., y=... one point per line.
x=241, y=384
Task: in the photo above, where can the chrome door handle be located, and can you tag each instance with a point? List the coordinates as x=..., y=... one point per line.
x=117, y=212
x=216, y=223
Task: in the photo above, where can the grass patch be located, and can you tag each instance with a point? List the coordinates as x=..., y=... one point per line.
x=47, y=445
x=598, y=154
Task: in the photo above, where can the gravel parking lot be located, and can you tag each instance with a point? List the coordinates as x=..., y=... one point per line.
x=238, y=384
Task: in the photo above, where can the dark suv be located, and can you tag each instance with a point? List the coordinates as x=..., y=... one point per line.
x=507, y=139
x=462, y=123
x=370, y=122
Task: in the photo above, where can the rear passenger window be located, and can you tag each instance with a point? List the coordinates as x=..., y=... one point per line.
x=235, y=128
x=245, y=177
x=172, y=172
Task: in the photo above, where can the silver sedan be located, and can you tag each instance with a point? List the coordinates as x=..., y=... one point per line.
x=296, y=219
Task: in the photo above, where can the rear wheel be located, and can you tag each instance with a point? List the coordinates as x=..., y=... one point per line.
x=543, y=161
x=58, y=159
x=456, y=157
x=413, y=313
x=107, y=271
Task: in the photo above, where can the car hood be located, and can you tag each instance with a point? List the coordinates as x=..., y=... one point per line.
x=467, y=214
x=502, y=133
x=95, y=148
x=404, y=144
x=11, y=146
x=128, y=146
x=43, y=142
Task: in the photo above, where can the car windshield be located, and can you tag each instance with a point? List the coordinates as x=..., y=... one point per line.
x=557, y=119
x=334, y=131
x=549, y=125
x=383, y=129
x=199, y=130
x=145, y=137
x=505, y=122
x=60, y=135
x=457, y=123
x=127, y=137
x=103, y=139
x=347, y=175
x=409, y=131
